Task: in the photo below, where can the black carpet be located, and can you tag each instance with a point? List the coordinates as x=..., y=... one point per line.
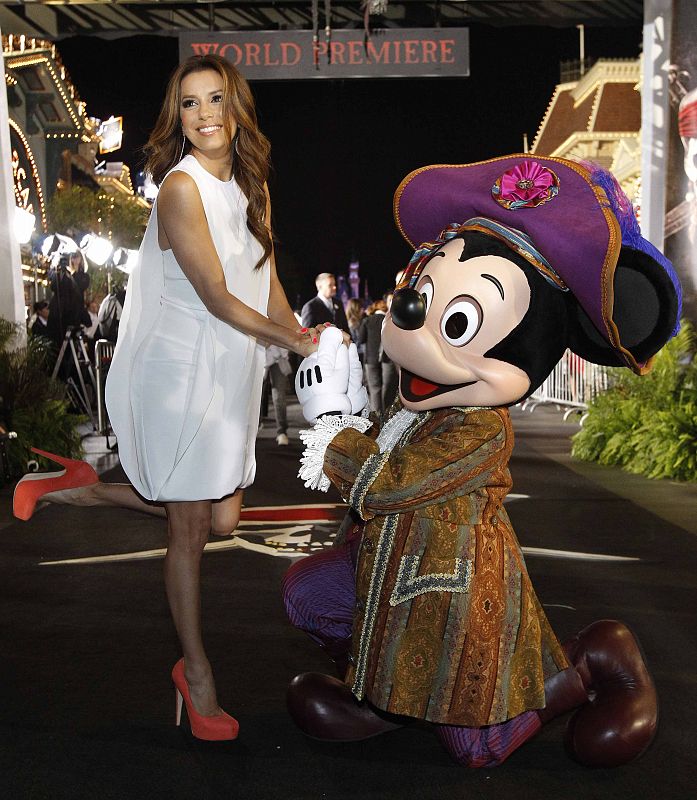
x=87, y=706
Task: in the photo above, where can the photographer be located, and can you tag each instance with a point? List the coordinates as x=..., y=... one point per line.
x=76, y=267
x=66, y=307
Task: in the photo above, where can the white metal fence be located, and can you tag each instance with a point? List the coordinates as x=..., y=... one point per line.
x=573, y=383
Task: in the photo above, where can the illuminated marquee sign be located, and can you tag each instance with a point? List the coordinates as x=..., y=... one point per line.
x=390, y=53
x=110, y=134
x=25, y=176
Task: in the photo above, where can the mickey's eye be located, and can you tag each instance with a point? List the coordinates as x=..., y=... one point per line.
x=426, y=290
x=461, y=321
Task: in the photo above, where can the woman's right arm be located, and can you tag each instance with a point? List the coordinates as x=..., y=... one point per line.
x=183, y=222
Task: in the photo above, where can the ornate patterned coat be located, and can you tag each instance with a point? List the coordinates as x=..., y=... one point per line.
x=447, y=626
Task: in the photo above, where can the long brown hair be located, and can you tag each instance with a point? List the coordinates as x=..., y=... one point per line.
x=354, y=312
x=250, y=161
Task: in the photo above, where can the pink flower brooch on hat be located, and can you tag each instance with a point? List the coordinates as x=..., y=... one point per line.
x=527, y=185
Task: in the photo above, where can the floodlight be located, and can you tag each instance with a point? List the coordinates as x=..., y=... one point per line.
x=58, y=244
x=96, y=248
x=149, y=189
x=124, y=259
x=50, y=244
x=24, y=223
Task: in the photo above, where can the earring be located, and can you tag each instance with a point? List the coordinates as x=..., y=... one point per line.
x=181, y=154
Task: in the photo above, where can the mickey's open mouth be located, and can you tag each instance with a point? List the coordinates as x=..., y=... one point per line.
x=414, y=388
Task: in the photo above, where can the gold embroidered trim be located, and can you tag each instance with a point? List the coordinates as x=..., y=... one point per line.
x=409, y=584
x=364, y=480
x=382, y=555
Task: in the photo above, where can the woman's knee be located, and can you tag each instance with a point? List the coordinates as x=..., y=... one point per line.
x=225, y=515
x=189, y=525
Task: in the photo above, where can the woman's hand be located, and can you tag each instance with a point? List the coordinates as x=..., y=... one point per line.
x=323, y=327
x=309, y=338
x=306, y=344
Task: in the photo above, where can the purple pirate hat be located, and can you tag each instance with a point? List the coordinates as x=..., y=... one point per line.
x=574, y=215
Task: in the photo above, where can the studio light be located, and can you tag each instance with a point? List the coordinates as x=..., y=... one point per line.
x=124, y=259
x=50, y=245
x=96, y=248
x=58, y=244
x=24, y=223
x=149, y=189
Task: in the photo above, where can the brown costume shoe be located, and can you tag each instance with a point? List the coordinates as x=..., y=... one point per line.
x=563, y=692
x=325, y=708
x=619, y=721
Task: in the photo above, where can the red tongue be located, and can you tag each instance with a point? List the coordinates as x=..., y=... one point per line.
x=422, y=387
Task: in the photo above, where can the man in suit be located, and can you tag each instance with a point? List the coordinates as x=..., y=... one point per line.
x=324, y=307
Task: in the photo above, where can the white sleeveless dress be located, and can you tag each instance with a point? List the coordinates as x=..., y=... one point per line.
x=184, y=388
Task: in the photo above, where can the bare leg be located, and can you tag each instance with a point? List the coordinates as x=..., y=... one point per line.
x=188, y=527
x=122, y=495
x=226, y=514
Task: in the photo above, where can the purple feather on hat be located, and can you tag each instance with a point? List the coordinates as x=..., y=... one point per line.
x=622, y=208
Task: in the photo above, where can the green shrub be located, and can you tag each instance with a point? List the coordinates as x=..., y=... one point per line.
x=648, y=425
x=33, y=404
x=79, y=210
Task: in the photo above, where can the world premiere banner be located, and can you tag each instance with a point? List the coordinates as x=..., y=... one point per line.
x=290, y=55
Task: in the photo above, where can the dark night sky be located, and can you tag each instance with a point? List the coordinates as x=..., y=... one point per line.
x=340, y=148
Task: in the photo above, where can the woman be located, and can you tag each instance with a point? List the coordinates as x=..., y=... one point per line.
x=354, y=315
x=184, y=386
x=78, y=270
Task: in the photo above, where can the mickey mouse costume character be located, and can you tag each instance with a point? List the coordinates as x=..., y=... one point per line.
x=426, y=606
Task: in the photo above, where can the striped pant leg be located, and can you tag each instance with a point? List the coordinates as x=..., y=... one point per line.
x=491, y=745
x=319, y=593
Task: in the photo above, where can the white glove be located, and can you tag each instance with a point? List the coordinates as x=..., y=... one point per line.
x=356, y=391
x=322, y=380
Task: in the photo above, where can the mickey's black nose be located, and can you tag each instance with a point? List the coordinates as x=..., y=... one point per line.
x=408, y=309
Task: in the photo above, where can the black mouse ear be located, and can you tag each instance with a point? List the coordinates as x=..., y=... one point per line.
x=645, y=312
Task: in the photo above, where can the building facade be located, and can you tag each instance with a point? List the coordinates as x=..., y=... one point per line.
x=54, y=144
x=598, y=118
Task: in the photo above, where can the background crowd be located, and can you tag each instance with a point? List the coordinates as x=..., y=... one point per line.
x=72, y=306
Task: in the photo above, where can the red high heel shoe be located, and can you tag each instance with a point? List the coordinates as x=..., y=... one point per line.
x=218, y=728
x=36, y=484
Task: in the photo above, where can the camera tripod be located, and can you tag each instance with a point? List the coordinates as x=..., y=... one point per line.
x=74, y=344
